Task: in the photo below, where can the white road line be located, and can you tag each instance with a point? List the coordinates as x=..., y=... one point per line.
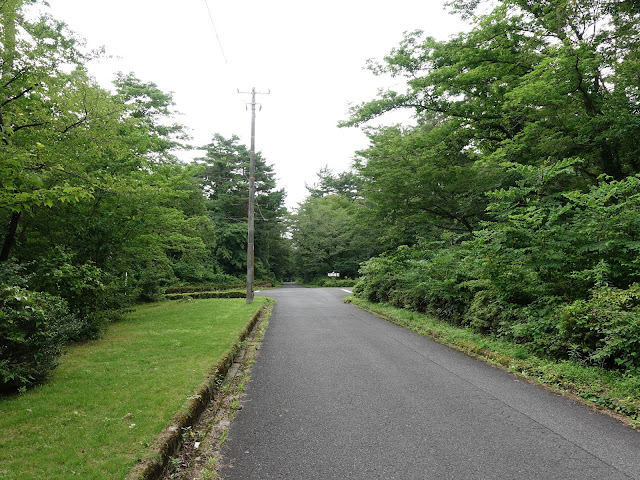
x=348, y=291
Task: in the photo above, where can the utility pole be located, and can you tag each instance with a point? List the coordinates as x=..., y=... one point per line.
x=252, y=194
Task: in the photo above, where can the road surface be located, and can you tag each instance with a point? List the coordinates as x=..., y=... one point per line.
x=339, y=393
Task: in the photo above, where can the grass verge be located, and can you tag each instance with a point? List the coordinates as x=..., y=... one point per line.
x=200, y=457
x=109, y=399
x=615, y=392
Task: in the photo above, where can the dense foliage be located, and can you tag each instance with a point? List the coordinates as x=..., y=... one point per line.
x=512, y=206
x=96, y=212
x=327, y=235
x=224, y=179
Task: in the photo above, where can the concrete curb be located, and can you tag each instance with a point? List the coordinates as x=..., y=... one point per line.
x=169, y=441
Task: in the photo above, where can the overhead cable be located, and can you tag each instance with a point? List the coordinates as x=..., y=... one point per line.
x=216, y=32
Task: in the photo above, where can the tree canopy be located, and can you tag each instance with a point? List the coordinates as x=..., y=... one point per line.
x=96, y=212
x=224, y=178
x=510, y=206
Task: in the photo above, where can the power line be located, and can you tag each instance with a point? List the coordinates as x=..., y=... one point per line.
x=216, y=32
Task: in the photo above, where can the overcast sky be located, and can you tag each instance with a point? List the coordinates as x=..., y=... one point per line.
x=310, y=55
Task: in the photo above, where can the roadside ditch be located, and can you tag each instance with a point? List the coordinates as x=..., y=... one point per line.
x=189, y=447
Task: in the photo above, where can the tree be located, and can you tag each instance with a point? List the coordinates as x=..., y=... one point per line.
x=527, y=124
x=323, y=238
x=151, y=108
x=95, y=213
x=329, y=229
x=419, y=182
x=531, y=81
x=84, y=171
x=46, y=99
x=347, y=184
x=224, y=179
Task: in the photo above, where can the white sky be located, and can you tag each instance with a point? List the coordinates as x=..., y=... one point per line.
x=310, y=55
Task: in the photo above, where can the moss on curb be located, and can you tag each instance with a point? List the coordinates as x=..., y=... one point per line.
x=169, y=441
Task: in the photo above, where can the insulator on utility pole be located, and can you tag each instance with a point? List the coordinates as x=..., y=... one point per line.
x=252, y=192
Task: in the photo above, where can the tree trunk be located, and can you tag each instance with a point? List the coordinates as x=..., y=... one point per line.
x=8, y=13
x=10, y=237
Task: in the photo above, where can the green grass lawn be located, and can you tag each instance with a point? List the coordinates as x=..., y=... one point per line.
x=109, y=399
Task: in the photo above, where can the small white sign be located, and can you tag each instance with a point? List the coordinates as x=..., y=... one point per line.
x=333, y=274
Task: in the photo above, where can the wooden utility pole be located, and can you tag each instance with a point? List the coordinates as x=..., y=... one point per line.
x=252, y=193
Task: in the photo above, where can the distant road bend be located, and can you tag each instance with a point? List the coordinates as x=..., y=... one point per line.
x=337, y=393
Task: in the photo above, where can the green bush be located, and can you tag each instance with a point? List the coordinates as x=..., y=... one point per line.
x=229, y=294
x=555, y=271
x=338, y=282
x=151, y=281
x=485, y=312
x=604, y=329
x=417, y=278
x=94, y=297
x=379, y=275
x=33, y=328
x=13, y=273
x=332, y=282
x=218, y=281
x=189, y=289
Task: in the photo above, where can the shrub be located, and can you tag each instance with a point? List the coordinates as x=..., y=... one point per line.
x=13, y=273
x=485, y=312
x=229, y=294
x=94, y=297
x=151, y=281
x=379, y=275
x=189, y=289
x=554, y=270
x=332, y=282
x=604, y=329
x=33, y=328
x=221, y=281
x=416, y=278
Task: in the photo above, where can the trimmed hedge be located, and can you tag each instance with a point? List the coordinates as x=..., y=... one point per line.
x=229, y=294
x=331, y=282
x=213, y=288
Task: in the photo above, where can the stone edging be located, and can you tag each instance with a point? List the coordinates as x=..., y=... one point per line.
x=170, y=439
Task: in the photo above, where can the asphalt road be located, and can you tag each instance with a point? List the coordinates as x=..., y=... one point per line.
x=339, y=393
